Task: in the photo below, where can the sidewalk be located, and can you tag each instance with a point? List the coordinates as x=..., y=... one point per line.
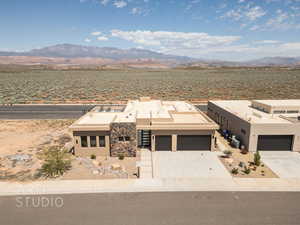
x=147, y=185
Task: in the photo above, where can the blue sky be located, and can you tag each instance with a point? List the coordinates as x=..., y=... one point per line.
x=211, y=29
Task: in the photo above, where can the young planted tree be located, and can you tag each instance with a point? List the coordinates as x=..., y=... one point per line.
x=257, y=157
x=56, y=162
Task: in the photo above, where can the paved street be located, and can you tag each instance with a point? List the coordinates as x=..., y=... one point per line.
x=186, y=208
x=43, y=111
x=49, y=111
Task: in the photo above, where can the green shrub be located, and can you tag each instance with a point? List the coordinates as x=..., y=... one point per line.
x=235, y=171
x=241, y=164
x=247, y=170
x=121, y=157
x=228, y=153
x=56, y=162
x=257, y=159
x=93, y=156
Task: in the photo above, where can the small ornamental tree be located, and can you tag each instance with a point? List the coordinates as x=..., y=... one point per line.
x=257, y=159
x=56, y=162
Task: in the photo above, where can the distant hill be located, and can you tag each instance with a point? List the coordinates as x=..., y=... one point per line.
x=69, y=54
x=275, y=61
x=70, y=51
x=267, y=61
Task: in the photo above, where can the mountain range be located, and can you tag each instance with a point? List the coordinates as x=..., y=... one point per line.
x=69, y=54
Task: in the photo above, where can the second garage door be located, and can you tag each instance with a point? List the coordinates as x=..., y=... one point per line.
x=275, y=142
x=193, y=142
x=163, y=143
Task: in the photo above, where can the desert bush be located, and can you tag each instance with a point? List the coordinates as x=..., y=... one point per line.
x=121, y=156
x=235, y=171
x=228, y=153
x=93, y=156
x=257, y=158
x=247, y=170
x=56, y=162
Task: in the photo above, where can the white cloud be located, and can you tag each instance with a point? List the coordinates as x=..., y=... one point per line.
x=102, y=38
x=267, y=42
x=291, y=46
x=173, y=39
x=246, y=13
x=203, y=45
x=282, y=21
x=254, y=28
x=136, y=11
x=104, y=2
x=255, y=13
x=87, y=40
x=234, y=14
x=96, y=33
x=242, y=52
x=120, y=4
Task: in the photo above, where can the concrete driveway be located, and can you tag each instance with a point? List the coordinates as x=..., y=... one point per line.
x=188, y=164
x=284, y=164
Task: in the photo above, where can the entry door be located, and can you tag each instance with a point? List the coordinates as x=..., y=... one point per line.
x=163, y=143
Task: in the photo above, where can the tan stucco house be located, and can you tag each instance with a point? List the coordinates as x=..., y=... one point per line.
x=265, y=125
x=144, y=123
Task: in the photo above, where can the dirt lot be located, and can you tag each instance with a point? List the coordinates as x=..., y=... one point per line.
x=22, y=141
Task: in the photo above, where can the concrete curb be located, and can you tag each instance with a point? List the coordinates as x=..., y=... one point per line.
x=148, y=185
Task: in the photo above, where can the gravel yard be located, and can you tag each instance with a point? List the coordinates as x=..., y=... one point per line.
x=23, y=141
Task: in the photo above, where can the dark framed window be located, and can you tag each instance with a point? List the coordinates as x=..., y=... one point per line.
x=93, y=141
x=84, y=142
x=127, y=138
x=101, y=141
x=124, y=138
x=279, y=111
x=292, y=111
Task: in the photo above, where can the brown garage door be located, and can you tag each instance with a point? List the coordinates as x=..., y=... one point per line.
x=275, y=142
x=193, y=142
x=163, y=143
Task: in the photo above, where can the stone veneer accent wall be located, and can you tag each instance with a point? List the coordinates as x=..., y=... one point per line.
x=127, y=148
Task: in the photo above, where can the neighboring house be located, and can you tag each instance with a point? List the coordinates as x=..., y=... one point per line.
x=260, y=124
x=145, y=123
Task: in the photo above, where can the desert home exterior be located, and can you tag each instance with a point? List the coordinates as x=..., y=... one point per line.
x=265, y=125
x=144, y=123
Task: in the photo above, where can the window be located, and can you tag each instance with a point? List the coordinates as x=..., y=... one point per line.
x=84, y=142
x=124, y=138
x=293, y=111
x=101, y=141
x=93, y=141
x=279, y=111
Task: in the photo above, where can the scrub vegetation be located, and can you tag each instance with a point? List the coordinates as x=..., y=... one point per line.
x=84, y=86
